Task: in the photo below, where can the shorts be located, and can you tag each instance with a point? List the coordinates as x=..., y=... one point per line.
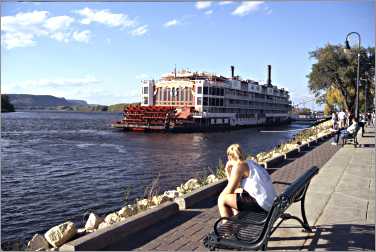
x=244, y=201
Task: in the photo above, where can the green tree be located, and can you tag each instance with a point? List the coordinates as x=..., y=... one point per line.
x=335, y=70
x=6, y=106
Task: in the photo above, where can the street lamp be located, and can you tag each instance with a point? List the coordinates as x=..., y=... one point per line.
x=347, y=51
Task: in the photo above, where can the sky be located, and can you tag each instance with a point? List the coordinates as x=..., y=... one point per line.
x=100, y=51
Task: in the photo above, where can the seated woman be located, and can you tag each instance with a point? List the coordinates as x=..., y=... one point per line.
x=249, y=185
x=345, y=132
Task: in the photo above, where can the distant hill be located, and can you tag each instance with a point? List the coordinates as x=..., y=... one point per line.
x=120, y=106
x=49, y=102
x=78, y=102
x=26, y=101
x=6, y=106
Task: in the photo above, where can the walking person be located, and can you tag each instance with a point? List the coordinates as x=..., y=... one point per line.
x=362, y=122
x=249, y=185
x=342, y=119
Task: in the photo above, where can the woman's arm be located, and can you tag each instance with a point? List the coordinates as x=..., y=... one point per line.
x=228, y=168
x=234, y=180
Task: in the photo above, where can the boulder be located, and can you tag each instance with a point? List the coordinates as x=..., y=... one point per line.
x=38, y=242
x=93, y=222
x=60, y=234
x=112, y=218
x=171, y=194
x=211, y=179
x=142, y=204
x=191, y=184
x=159, y=199
x=103, y=225
x=81, y=231
x=125, y=212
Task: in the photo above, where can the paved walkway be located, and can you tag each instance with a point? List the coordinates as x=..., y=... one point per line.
x=340, y=203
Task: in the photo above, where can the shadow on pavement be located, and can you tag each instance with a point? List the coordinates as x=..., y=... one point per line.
x=341, y=237
x=140, y=238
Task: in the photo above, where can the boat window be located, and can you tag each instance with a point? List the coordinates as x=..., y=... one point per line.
x=205, y=90
x=205, y=100
x=199, y=90
x=199, y=101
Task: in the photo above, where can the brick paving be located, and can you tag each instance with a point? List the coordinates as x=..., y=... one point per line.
x=186, y=230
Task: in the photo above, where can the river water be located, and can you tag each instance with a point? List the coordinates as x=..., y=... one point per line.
x=56, y=166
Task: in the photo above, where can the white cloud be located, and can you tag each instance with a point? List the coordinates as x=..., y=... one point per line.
x=225, y=2
x=23, y=21
x=17, y=39
x=209, y=12
x=246, y=7
x=22, y=29
x=139, y=31
x=105, y=17
x=171, y=23
x=58, y=23
x=201, y=5
x=83, y=36
x=61, y=36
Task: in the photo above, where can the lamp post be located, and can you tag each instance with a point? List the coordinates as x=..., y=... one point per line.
x=347, y=51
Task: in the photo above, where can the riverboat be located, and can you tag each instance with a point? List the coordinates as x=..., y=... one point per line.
x=199, y=101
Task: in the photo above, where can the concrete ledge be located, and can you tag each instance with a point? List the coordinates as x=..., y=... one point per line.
x=106, y=236
x=292, y=153
x=312, y=142
x=303, y=147
x=203, y=193
x=274, y=161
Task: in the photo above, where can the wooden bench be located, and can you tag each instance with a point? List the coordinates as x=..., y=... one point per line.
x=251, y=230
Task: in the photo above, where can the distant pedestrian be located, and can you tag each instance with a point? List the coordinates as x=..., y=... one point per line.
x=362, y=122
x=369, y=119
x=341, y=119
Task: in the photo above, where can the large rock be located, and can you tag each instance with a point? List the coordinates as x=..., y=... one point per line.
x=112, y=218
x=92, y=222
x=142, y=204
x=159, y=199
x=127, y=211
x=103, y=225
x=211, y=179
x=172, y=194
x=60, y=234
x=191, y=184
x=38, y=242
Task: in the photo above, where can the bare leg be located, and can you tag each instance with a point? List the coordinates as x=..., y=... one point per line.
x=226, y=202
x=235, y=211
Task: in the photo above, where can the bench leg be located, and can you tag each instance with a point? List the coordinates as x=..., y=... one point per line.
x=305, y=224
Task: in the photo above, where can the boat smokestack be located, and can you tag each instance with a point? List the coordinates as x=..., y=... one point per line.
x=232, y=72
x=269, y=75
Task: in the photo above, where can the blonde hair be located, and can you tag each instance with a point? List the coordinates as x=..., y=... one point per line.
x=235, y=152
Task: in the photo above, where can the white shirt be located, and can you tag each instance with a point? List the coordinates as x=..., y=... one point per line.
x=259, y=185
x=351, y=128
x=341, y=115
